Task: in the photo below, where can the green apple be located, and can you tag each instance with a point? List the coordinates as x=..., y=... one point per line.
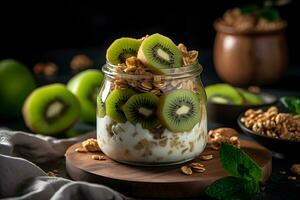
x=86, y=86
x=16, y=83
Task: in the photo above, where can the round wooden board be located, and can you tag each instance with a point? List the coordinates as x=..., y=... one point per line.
x=157, y=182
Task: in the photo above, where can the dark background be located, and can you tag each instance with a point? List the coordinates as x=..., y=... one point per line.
x=30, y=30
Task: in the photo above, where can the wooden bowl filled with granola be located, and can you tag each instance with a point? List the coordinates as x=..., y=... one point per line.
x=274, y=128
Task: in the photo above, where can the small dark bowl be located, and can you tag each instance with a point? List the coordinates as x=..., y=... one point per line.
x=226, y=114
x=280, y=147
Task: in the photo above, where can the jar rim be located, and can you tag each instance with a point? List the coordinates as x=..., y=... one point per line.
x=193, y=69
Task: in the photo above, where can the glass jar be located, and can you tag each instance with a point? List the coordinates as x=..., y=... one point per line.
x=152, y=119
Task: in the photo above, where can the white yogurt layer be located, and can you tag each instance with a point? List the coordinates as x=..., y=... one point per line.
x=132, y=143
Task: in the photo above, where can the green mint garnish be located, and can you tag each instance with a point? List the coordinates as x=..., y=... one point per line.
x=270, y=14
x=292, y=104
x=232, y=187
x=244, y=178
x=237, y=163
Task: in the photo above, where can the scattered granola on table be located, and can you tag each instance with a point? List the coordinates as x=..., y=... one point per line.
x=186, y=170
x=272, y=123
x=98, y=157
x=81, y=62
x=89, y=145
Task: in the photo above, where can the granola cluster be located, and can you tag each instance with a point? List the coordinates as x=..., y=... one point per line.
x=89, y=145
x=227, y=135
x=152, y=82
x=250, y=22
x=272, y=123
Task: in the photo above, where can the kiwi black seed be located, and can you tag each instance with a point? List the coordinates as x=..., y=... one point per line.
x=115, y=101
x=141, y=108
x=121, y=49
x=159, y=52
x=51, y=109
x=179, y=110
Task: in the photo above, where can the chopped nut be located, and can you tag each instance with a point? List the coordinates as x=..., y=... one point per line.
x=207, y=157
x=186, y=170
x=81, y=62
x=50, y=173
x=292, y=178
x=81, y=150
x=199, y=169
x=295, y=169
x=271, y=123
x=98, y=157
x=91, y=145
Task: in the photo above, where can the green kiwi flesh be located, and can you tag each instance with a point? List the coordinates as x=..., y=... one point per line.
x=121, y=49
x=159, y=52
x=250, y=98
x=141, y=108
x=51, y=109
x=224, y=91
x=179, y=110
x=115, y=101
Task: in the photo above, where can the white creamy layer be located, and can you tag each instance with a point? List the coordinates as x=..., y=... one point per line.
x=131, y=143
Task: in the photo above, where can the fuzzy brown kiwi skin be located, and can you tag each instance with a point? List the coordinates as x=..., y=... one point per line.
x=28, y=124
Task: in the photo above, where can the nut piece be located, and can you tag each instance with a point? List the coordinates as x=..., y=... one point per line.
x=91, y=145
x=80, y=62
x=186, y=170
x=197, y=167
x=81, y=150
x=207, y=157
x=292, y=178
x=48, y=69
x=98, y=157
x=227, y=135
x=295, y=169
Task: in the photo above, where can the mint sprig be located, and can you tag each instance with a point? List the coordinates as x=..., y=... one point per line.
x=244, y=178
x=292, y=104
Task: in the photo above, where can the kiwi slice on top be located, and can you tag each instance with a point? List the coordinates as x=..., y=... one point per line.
x=51, y=109
x=114, y=103
x=179, y=110
x=141, y=108
x=223, y=93
x=159, y=52
x=121, y=49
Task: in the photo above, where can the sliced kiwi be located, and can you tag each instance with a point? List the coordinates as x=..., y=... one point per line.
x=100, y=108
x=159, y=52
x=224, y=91
x=114, y=103
x=141, y=108
x=51, y=109
x=179, y=110
x=250, y=98
x=85, y=86
x=121, y=49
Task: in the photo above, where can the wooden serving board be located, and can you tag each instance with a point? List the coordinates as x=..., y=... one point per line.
x=157, y=182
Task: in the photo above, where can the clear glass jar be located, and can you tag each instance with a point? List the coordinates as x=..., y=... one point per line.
x=137, y=131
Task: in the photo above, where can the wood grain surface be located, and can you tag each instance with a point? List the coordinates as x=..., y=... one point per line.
x=157, y=182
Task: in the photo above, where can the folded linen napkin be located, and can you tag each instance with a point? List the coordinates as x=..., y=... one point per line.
x=20, y=178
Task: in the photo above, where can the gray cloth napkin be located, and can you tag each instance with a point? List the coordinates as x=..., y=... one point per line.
x=20, y=178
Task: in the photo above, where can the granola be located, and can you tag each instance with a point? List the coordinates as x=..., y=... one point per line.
x=186, y=170
x=91, y=145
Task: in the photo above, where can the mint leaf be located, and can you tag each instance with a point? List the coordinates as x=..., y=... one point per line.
x=270, y=14
x=237, y=163
x=249, y=9
x=292, y=104
x=232, y=188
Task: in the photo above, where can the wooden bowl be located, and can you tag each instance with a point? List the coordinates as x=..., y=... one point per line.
x=226, y=114
x=280, y=147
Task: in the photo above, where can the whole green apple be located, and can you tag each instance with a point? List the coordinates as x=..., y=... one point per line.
x=16, y=83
